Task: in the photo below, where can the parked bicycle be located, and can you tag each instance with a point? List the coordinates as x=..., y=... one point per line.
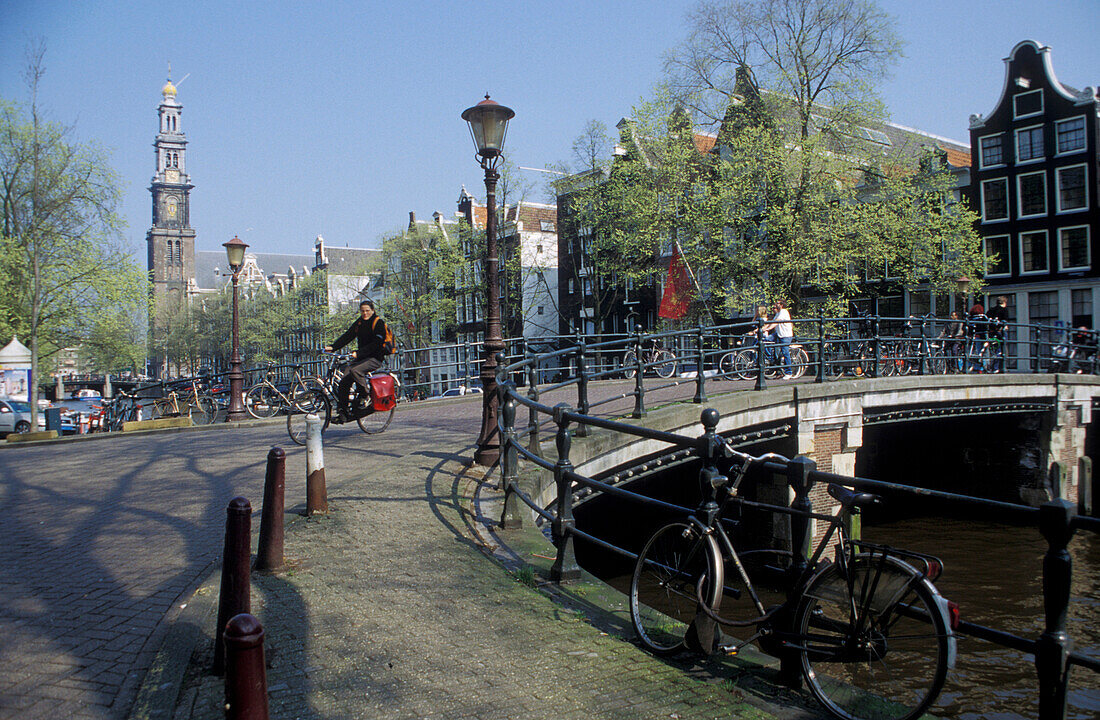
x=872, y=635
x=654, y=358
x=985, y=345
x=741, y=363
x=195, y=403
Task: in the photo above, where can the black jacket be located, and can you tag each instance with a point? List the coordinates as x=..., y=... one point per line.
x=370, y=335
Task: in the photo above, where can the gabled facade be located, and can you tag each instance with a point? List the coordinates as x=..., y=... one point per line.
x=1035, y=184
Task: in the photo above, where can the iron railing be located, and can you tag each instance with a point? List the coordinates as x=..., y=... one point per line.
x=1057, y=520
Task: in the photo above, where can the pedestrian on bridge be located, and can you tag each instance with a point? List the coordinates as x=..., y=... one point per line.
x=781, y=330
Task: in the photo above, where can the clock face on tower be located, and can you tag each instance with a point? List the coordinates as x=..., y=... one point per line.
x=172, y=175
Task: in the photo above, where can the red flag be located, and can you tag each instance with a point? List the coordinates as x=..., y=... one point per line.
x=677, y=297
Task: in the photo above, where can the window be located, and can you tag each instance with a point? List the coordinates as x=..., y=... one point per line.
x=998, y=261
x=995, y=200
x=1073, y=248
x=1028, y=103
x=992, y=151
x=1071, y=183
x=1042, y=307
x=1070, y=135
x=1080, y=302
x=1029, y=144
x=1033, y=252
x=546, y=226
x=571, y=287
x=1032, y=197
x=541, y=310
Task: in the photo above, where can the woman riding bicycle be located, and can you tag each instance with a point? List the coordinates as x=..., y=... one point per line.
x=369, y=332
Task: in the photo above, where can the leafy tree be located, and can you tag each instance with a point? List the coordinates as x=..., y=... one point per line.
x=420, y=266
x=61, y=234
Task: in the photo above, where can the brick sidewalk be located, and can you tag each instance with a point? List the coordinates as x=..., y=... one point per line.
x=393, y=609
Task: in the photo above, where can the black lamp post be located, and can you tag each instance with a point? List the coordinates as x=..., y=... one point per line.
x=234, y=250
x=488, y=127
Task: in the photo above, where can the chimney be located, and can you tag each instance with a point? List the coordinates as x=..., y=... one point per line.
x=412, y=220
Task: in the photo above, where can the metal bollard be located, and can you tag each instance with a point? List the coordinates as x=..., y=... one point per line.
x=269, y=553
x=316, y=492
x=235, y=597
x=245, y=672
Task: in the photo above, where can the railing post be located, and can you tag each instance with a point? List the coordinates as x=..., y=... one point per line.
x=582, y=387
x=799, y=480
x=1055, y=644
x=235, y=595
x=703, y=635
x=533, y=442
x=700, y=380
x=512, y=517
x=761, y=383
x=565, y=568
x=465, y=363
x=639, y=369
x=820, y=346
x=269, y=552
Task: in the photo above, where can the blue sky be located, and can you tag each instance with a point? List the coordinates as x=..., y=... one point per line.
x=338, y=118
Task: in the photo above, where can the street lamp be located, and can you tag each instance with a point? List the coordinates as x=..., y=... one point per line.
x=234, y=250
x=488, y=127
x=963, y=283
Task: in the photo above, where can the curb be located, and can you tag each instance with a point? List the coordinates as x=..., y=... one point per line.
x=159, y=690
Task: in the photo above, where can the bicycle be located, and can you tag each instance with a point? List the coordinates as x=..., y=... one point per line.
x=872, y=635
x=370, y=414
x=742, y=362
x=197, y=404
x=661, y=361
x=984, y=344
x=265, y=399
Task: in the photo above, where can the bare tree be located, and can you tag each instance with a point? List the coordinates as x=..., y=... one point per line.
x=822, y=55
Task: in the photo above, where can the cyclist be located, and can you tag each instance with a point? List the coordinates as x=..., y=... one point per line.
x=369, y=332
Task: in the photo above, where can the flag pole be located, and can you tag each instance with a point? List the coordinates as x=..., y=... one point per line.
x=694, y=281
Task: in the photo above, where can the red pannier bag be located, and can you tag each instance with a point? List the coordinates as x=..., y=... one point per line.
x=381, y=390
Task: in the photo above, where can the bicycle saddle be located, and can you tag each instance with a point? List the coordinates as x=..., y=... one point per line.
x=849, y=498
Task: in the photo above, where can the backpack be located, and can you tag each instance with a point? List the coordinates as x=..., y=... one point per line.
x=389, y=345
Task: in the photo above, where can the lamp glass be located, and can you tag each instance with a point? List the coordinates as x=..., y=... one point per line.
x=234, y=250
x=488, y=126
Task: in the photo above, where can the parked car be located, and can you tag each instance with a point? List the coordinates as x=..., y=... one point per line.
x=15, y=416
x=459, y=391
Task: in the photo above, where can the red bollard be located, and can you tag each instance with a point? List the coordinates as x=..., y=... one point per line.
x=269, y=553
x=235, y=596
x=245, y=672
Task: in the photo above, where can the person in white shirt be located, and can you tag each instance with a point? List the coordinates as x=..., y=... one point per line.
x=782, y=330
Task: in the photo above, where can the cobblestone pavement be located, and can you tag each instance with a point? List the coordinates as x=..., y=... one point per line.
x=102, y=536
x=391, y=608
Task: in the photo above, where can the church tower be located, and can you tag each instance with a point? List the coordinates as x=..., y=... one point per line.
x=171, y=241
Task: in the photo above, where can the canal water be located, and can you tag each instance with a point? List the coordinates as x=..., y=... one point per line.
x=992, y=571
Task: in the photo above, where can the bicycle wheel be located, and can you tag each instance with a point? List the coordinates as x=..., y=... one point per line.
x=988, y=358
x=726, y=368
x=875, y=645
x=664, y=363
x=203, y=410
x=744, y=364
x=313, y=401
x=630, y=364
x=835, y=356
x=261, y=402
x=663, y=587
x=799, y=362
x=373, y=421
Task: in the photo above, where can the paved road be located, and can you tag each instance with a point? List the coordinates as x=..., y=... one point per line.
x=101, y=537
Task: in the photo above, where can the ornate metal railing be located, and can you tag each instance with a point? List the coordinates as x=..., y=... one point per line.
x=1057, y=520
